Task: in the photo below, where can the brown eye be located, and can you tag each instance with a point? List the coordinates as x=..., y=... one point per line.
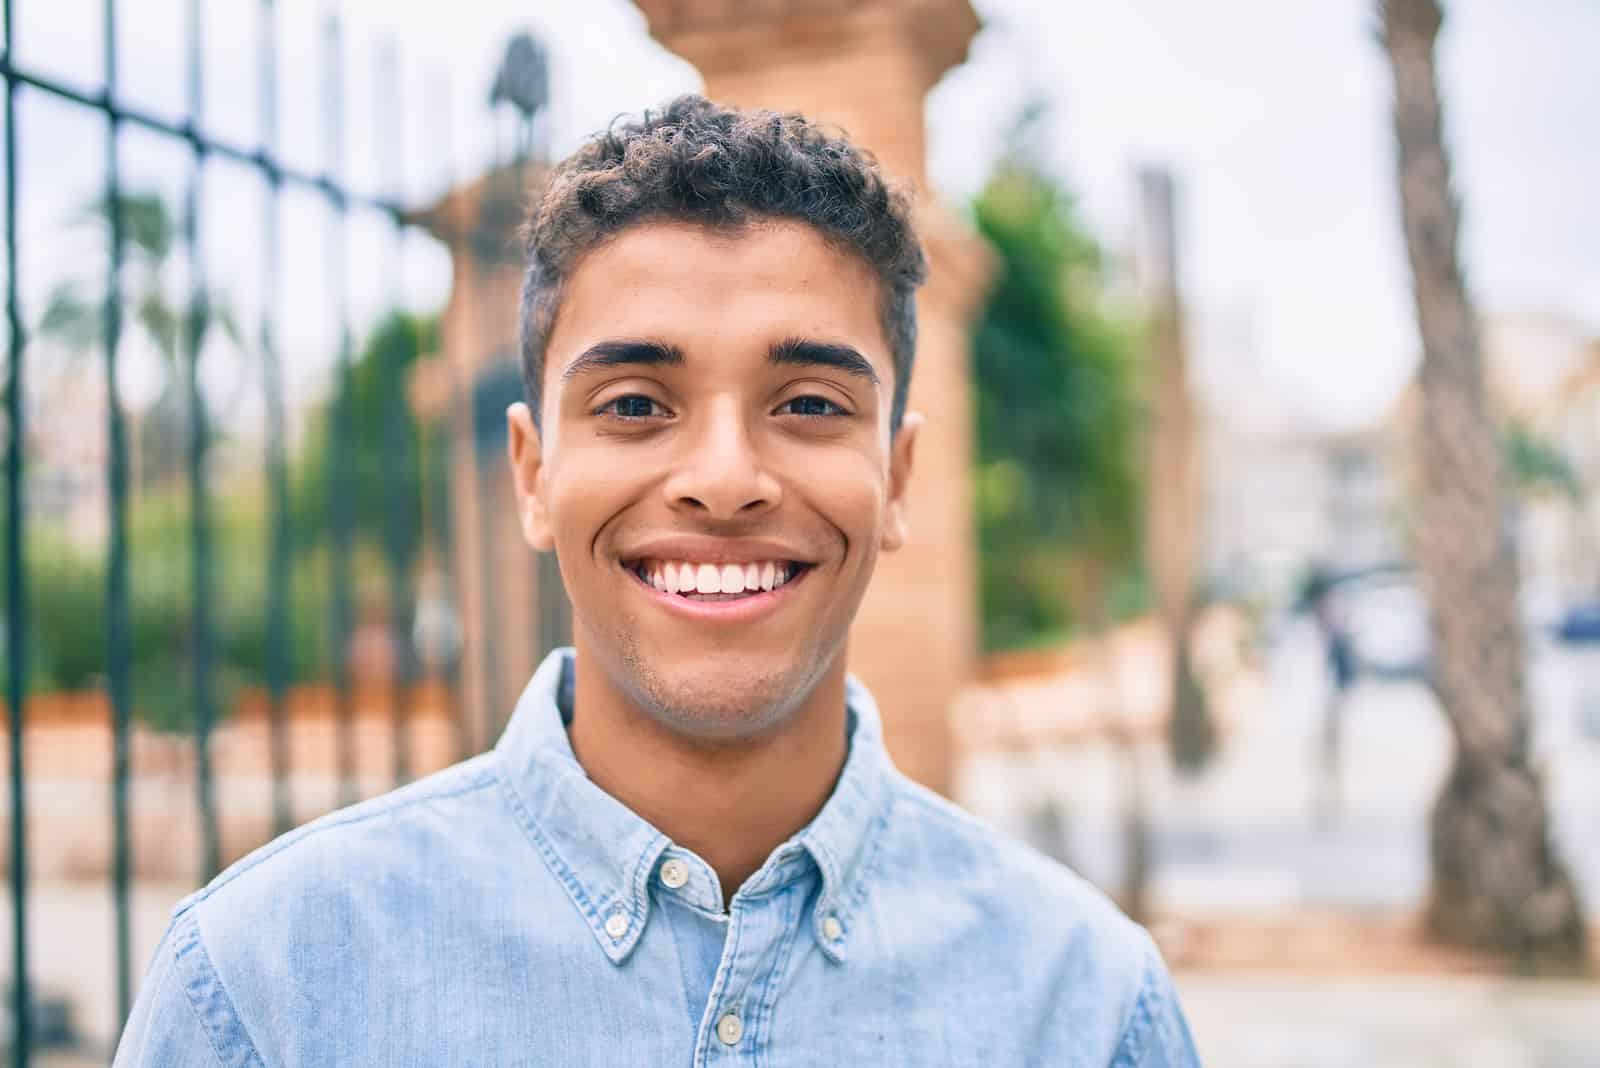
x=632, y=406
x=811, y=405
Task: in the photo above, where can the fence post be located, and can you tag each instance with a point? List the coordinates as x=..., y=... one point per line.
x=117, y=638
x=280, y=575
x=197, y=322
x=400, y=450
x=16, y=578
x=341, y=444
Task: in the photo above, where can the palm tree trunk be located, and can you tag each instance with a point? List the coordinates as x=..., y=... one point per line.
x=1172, y=507
x=1497, y=882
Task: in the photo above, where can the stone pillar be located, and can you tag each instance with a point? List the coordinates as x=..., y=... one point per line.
x=468, y=384
x=865, y=66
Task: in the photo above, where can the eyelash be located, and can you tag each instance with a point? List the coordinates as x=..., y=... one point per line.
x=610, y=407
x=836, y=410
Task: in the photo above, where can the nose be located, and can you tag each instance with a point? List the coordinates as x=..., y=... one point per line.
x=720, y=473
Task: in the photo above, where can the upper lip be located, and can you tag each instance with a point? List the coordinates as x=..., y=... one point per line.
x=711, y=550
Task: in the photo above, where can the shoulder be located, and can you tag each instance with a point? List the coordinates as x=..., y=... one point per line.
x=297, y=929
x=353, y=877
x=362, y=840
x=940, y=841
x=1081, y=966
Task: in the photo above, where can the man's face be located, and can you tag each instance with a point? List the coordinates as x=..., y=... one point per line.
x=715, y=418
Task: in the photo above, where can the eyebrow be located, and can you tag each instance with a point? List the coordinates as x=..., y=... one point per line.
x=799, y=351
x=794, y=351
x=620, y=353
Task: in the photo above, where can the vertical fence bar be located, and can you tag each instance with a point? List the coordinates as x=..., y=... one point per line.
x=17, y=648
x=399, y=445
x=279, y=572
x=493, y=711
x=199, y=444
x=439, y=452
x=434, y=449
x=342, y=439
x=118, y=658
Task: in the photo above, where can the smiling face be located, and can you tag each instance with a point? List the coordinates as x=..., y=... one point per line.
x=716, y=472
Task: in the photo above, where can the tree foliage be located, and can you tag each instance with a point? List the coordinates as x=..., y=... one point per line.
x=1058, y=486
x=384, y=460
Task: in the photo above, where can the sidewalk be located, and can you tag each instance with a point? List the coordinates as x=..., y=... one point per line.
x=1411, y=1022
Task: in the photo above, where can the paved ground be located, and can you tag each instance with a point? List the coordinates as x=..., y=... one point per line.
x=1393, y=1023
x=71, y=934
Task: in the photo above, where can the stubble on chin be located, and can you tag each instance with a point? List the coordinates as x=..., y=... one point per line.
x=718, y=704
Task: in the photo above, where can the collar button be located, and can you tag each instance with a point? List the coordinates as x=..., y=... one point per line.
x=674, y=873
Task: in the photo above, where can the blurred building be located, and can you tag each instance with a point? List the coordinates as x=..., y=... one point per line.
x=865, y=66
x=1279, y=501
x=1280, y=498
x=508, y=616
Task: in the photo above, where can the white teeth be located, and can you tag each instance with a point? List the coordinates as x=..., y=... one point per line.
x=680, y=576
x=708, y=579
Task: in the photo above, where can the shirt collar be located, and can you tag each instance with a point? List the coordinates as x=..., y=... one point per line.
x=604, y=854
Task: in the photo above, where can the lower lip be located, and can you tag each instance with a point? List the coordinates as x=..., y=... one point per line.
x=738, y=610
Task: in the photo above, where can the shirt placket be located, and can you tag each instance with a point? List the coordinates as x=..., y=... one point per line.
x=735, y=1027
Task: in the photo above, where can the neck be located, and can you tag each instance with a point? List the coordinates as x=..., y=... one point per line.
x=731, y=803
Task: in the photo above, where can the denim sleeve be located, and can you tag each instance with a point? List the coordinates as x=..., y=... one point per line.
x=1156, y=1035
x=166, y=1026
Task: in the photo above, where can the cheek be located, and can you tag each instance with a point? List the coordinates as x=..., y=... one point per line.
x=846, y=488
x=585, y=488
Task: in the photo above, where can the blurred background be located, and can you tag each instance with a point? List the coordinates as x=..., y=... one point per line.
x=1256, y=568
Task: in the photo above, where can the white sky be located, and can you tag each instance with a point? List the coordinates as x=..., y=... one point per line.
x=1274, y=115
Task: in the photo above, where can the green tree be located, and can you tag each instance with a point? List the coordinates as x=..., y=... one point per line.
x=1058, y=488
x=1536, y=465
x=386, y=446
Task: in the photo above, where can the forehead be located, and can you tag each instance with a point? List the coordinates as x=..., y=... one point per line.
x=703, y=289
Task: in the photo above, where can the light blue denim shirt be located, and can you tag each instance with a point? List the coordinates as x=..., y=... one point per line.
x=506, y=911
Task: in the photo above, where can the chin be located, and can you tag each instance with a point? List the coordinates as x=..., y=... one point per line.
x=722, y=697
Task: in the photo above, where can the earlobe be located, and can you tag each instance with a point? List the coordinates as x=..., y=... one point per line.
x=902, y=451
x=527, y=469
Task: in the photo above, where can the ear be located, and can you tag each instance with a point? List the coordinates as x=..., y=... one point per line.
x=902, y=451
x=527, y=475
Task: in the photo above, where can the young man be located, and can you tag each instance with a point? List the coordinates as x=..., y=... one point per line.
x=689, y=847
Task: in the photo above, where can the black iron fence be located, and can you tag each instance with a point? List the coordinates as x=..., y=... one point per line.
x=407, y=482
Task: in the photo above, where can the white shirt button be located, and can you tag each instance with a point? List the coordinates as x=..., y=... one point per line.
x=832, y=929
x=617, y=925
x=674, y=873
x=729, y=1028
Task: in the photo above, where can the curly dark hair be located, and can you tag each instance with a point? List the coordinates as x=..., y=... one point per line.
x=700, y=162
